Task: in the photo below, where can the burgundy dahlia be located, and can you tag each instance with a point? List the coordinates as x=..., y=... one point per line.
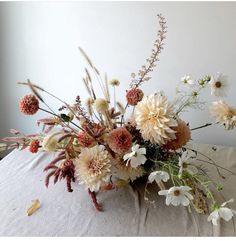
x=29, y=105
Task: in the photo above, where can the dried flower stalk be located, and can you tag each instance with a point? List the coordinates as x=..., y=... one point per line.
x=151, y=61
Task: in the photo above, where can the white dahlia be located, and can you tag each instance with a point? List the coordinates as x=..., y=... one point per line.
x=93, y=167
x=224, y=114
x=154, y=119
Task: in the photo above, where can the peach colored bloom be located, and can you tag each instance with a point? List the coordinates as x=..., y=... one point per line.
x=120, y=140
x=182, y=135
x=84, y=139
x=133, y=96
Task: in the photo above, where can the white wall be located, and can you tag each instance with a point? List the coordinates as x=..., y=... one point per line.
x=39, y=41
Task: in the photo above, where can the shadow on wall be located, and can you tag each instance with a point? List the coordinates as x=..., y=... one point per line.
x=4, y=107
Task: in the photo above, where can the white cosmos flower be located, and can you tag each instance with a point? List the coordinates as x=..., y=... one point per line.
x=177, y=195
x=221, y=212
x=185, y=164
x=187, y=80
x=219, y=85
x=136, y=157
x=158, y=176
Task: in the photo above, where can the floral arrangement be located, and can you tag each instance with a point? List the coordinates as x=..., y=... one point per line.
x=102, y=148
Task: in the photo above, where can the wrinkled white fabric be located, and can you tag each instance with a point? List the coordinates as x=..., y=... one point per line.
x=125, y=212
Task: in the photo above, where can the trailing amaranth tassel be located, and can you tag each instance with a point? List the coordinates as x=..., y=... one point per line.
x=95, y=202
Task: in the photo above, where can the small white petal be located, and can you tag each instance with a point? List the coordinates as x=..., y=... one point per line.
x=163, y=192
x=168, y=200
x=185, y=201
x=135, y=148
x=226, y=213
x=214, y=217
x=188, y=195
x=141, y=151
x=176, y=201
x=185, y=188
x=230, y=201
x=152, y=176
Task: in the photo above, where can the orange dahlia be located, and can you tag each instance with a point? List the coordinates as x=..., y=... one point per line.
x=182, y=134
x=120, y=140
x=29, y=105
x=133, y=96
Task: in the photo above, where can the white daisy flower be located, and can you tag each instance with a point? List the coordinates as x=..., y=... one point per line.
x=187, y=80
x=177, y=195
x=221, y=212
x=219, y=85
x=185, y=164
x=136, y=157
x=158, y=176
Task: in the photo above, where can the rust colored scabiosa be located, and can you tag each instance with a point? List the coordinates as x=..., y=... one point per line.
x=34, y=146
x=133, y=96
x=120, y=140
x=182, y=134
x=84, y=139
x=29, y=105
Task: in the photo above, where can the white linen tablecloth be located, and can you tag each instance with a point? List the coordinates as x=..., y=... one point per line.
x=125, y=212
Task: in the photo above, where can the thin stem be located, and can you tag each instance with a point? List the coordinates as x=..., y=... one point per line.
x=59, y=117
x=217, y=166
x=203, y=126
x=212, y=161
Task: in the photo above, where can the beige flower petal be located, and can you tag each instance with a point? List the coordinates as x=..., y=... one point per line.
x=34, y=207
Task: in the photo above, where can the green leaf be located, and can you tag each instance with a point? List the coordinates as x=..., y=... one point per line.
x=65, y=117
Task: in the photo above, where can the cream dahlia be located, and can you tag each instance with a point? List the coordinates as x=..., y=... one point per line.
x=126, y=172
x=154, y=119
x=224, y=114
x=93, y=167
